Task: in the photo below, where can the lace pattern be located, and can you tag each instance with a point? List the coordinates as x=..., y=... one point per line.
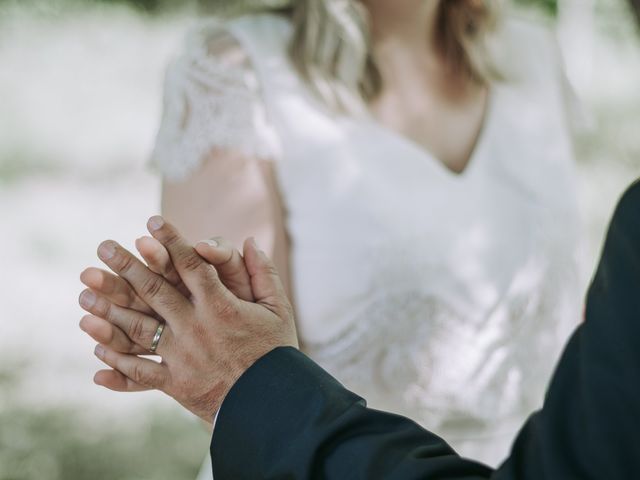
x=415, y=354
x=211, y=102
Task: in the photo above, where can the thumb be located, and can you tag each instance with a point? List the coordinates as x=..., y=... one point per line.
x=229, y=264
x=265, y=281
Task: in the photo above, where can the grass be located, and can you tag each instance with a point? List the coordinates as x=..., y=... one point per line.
x=17, y=166
x=68, y=443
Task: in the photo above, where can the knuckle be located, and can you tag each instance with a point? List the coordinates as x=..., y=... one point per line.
x=170, y=238
x=136, y=329
x=269, y=269
x=158, y=381
x=151, y=286
x=124, y=263
x=108, y=312
x=138, y=374
x=280, y=305
x=190, y=261
x=287, y=309
x=227, y=309
x=146, y=377
x=102, y=309
x=169, y=303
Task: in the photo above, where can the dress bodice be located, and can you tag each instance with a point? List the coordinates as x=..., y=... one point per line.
x=442, y=296
x=445, y=297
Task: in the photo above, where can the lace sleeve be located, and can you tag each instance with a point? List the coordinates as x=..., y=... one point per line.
x=211, y=102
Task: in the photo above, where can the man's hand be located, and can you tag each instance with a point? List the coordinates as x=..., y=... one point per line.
x=107, y=291
x=210, y=338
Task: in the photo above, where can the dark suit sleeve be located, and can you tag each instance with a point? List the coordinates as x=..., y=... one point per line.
x=287, y=418
x=589, y=427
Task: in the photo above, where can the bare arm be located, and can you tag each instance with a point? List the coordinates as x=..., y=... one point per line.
x=234, y=194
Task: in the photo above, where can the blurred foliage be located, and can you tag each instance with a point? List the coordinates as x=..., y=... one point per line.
x=18, y=165
x=150, y=6
x=143, y=6
x=155, y=6
x=548, y=6
x=69, y=443
x=618, y=19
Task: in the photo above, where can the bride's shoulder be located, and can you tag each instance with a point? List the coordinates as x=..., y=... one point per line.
x=212, y=100
x=226, y=37
x=219, y=47
x=212, y=60
x=212, y=41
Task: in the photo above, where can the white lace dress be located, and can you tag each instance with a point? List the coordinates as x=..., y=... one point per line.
x=443, y=297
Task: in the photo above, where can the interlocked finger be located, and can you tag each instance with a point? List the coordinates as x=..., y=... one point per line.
x=139, y=328
x=229, y=264
x=109, y=335
x=159, y=261
x=141, y=371
x=116, y=381
x=152, y=288
x=114, y=288
x=200, y=278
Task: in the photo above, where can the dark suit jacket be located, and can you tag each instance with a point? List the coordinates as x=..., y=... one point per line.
x=288, y=419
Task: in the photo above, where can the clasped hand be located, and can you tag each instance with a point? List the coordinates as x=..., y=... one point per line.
x=221, y=312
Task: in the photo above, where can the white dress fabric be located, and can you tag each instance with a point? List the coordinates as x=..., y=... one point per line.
x=444, y=297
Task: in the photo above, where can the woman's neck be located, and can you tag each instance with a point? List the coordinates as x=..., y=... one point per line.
x=409, y=23
x=404, y=40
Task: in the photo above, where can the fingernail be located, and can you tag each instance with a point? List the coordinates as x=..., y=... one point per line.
x=106, y=250
x=155, y=223
x=210, y=243
x=99, y=351
x=87, y=299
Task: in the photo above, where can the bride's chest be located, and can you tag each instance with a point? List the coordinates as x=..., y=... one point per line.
x=370, y=214
x=445, y=122
x=356, y=178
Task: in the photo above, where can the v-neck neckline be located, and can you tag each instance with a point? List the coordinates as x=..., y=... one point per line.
x=426, y=154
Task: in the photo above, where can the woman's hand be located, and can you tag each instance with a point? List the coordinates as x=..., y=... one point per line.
x=108, y=291
x=210, y=338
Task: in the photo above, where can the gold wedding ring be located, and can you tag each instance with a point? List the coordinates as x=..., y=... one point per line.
x=156, y=338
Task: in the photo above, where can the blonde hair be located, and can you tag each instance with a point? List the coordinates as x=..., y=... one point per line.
x=331, y=47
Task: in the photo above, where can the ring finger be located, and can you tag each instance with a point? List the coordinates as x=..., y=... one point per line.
x=141, y=329
x=109, y=335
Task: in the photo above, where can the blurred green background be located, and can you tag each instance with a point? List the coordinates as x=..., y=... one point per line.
x=67, y=442
x=80, y=99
